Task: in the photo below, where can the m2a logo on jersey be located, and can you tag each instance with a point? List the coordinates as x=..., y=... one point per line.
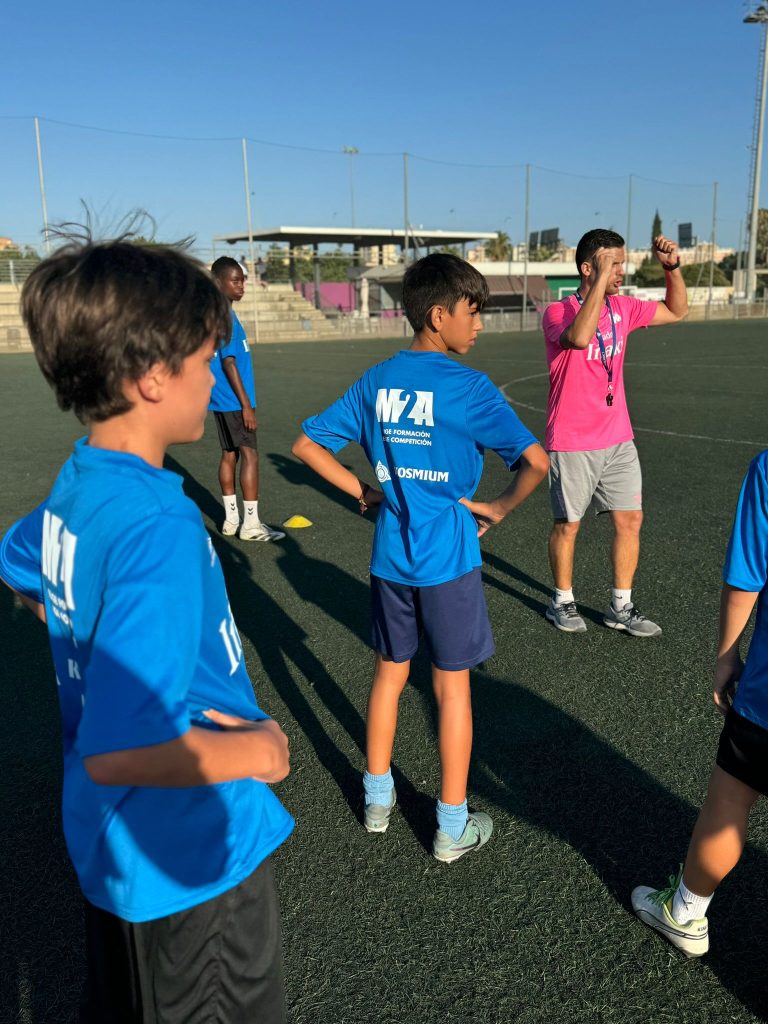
x=391, y=403
x=58, y=563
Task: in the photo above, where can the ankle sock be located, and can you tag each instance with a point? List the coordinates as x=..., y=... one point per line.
x=563, y=596
x=452, y=819
x=377, y=789
x=687, y=906
x=230, y=508
x=251, y=513
x=620, y=598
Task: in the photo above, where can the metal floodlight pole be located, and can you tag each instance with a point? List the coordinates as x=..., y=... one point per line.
x=712, y=242
x=351, y=152
x=405, y=209
x=629, y=222
x=759, y=16
x=42, y=187
x=524, y=311
x=250, y=240
x=737, y=272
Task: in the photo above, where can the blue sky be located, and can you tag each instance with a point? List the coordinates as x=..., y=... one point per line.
x=586, y=94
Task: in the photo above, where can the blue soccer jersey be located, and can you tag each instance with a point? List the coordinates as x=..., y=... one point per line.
x=143, y=642
x=424, y=421
x=746, y=567
x=223, y=398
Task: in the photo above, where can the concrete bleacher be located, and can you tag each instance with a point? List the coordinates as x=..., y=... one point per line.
x=283, y=315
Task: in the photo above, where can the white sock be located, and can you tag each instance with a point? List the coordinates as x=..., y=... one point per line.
x=251, y=513
x=563, y=596
x=620, y=598
x=230, y=508
x=687, y=906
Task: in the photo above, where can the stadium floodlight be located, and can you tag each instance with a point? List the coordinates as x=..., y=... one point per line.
x=759, y=16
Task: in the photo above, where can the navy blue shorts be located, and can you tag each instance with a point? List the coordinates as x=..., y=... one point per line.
x=453, y=617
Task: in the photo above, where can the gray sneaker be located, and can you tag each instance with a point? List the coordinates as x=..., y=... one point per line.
x=631, y=620
x=476, y=833
x=376, y=816
x=566, y=617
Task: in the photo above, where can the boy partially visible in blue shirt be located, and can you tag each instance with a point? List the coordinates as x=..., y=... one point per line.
x=168, y=815
x=424, y=420
x=740, y=775
x=233, y=404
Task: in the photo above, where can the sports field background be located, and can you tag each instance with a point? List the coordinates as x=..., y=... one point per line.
x=591, y=752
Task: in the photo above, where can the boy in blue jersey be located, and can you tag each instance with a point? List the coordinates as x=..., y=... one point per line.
x=233, y=403
x=423, y=421
x=168, y=816
x=740, y=774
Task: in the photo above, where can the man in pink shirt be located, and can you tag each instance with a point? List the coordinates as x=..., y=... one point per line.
x=589, y=437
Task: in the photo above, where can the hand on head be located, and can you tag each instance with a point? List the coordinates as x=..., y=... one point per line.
x=603, y=262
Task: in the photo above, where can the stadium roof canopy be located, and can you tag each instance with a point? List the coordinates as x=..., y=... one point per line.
x=358, y=237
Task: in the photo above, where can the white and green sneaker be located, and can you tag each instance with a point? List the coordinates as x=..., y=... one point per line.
x=476, y=833
x=376, y=816
x=654, y=908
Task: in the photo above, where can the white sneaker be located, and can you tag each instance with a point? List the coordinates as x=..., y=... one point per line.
x=229, y=529
x=260, y=532
x=654, y=908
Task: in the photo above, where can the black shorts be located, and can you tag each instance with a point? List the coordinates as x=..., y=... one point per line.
x=232, y=433
x=743, y=751
x=221, y=960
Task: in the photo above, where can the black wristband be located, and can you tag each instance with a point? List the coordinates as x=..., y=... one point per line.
x=669, y=267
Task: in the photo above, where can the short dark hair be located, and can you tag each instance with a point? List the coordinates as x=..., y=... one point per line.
x=440, y=279
x=598, y=238
x=101, y=313
x=223, y=264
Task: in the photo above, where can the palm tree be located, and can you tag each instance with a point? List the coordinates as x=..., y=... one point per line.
x=499, y=249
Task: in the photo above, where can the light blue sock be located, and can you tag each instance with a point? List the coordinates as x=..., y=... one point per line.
x=452, y=819
x=378, y=788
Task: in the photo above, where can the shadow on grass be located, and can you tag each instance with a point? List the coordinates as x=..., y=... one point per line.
x=299, y=475
x=281, y=644
x=546, y=768
x=41, y=943
x=209, y=504
x=537, y=606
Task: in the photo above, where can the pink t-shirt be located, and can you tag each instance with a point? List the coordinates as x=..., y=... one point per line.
x=578, y=418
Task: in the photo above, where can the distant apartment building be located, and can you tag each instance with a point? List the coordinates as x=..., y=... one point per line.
x=379, y=256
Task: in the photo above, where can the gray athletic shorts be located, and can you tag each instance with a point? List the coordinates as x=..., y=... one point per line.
x=609, y=477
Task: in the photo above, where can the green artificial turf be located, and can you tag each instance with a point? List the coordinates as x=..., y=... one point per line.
x=592, y=752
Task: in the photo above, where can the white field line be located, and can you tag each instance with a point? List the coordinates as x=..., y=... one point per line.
x=643, y=430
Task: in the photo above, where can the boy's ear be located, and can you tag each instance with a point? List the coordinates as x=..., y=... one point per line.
x=434, y=318
x=151, y=385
